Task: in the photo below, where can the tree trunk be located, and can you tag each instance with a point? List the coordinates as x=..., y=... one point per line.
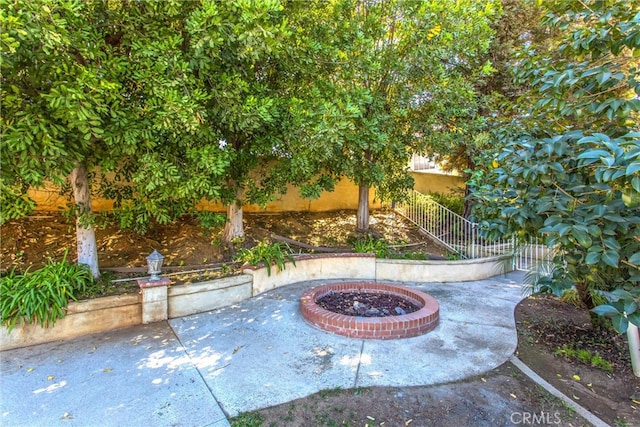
x=466, y=213
x=234, y=228
x=362, y=217
x=585, y=296
x=85, y=233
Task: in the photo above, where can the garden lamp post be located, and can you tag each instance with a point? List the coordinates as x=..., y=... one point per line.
x=154, y=265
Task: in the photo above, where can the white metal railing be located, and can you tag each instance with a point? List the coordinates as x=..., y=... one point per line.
x=461, y=236
x=533, y=254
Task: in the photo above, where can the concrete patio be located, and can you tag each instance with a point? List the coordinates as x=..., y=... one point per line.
x=198, y=370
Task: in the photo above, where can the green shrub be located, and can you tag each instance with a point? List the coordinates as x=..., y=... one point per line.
x=42, y=296
x=370, y=245
x=268, y=253
x=451, y=202
x=247, y=419
x=453, y=256
x=571, y=297
x=105, y=286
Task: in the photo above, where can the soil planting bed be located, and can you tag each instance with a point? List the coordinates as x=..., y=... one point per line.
x=409, y=324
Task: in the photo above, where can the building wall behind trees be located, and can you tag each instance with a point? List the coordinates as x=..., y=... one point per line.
x=345, y=196
x=438, y=182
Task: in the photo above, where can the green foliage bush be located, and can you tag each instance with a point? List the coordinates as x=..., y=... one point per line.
x=413, y=256
x=42, y=296
x=105, y=286
x=277, y=253
x=210, y=220
x=372, y=245
x=570, y=160
x=14, y=205
x=571, y=296
x=452, y=202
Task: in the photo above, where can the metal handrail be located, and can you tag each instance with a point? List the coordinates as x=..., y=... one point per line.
x=461, y=236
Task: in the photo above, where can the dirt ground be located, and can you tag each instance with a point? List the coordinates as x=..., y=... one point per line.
x=34, y=239
x=501, y=397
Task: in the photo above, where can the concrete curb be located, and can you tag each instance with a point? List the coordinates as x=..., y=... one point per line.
x=584, y=413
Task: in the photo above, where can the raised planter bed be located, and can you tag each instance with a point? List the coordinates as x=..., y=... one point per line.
x=108, y=313
x=116, y=312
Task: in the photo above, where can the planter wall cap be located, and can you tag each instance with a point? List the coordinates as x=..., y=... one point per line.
x=210, y=285
x=146, y=283
x=102, y=303
x=313, y=256
x=452, y=262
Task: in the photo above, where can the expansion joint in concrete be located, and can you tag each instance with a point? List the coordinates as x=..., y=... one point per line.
x=357, y=376
x=215, y=399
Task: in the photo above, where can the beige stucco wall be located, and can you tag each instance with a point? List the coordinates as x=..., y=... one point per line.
x=313, y=267
x=437, y=182
x=345, y=196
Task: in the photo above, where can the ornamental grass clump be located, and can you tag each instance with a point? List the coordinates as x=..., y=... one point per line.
x=42, y=296
x=266, y=253
x=371, y=245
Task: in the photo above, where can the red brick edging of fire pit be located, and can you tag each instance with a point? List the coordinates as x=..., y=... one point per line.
x=383, y=328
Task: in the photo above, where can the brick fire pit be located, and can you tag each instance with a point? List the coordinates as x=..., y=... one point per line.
x=384, y=328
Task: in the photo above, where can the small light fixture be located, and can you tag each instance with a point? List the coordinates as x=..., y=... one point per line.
x=154, y=265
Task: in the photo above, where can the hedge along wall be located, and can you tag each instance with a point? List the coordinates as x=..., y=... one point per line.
x=345, y=196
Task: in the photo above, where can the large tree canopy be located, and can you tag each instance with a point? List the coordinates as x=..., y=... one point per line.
x=466, y=134
x=158, y=105
x=390, y=74
x=571, y=172
x=103, y=88
x=235, y=44
x=250, y=59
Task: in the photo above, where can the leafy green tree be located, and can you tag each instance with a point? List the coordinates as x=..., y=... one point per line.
x=254, y=59
x=239, y=70
x=391, y=73
x=100, y=95
x=571, y=173
x=467, y=134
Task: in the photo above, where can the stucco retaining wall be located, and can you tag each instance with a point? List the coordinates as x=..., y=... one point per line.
x=185, y=300
x=314, y=267
x=83, y=318
x=442, y=271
